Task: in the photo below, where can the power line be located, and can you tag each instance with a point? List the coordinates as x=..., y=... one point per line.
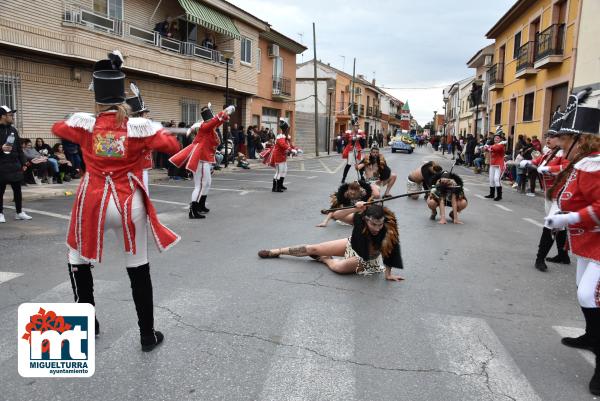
x=415, y=88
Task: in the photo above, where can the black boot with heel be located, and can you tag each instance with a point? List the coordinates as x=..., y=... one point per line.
x=82, y=283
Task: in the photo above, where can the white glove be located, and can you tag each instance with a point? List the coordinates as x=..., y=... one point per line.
x=294, y=152
x=524, y=163
x=503, y=143
x=195, y=126
x=543, y=170
x=230, y=110
x=562, y=220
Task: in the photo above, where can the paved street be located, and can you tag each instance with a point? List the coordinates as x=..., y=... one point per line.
x=472, y=321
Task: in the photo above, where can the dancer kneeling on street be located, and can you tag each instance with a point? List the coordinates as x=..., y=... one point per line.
x=420, y=179
x=447, y=190
x=111, y=195
x=376, y=170
x=374, y=237
x=349, y=195
x=199, y=156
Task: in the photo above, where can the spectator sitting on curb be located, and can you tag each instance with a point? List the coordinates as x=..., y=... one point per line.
x=242, y=161
x=66, y=170
x=36, y=163
x=45, y=150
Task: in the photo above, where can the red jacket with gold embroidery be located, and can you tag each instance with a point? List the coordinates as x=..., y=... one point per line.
x=280, y=150
x=581, y=194
x=556, y=164
x=497, y=155
x=352, y=140
x=204, y=146
x=113, y=157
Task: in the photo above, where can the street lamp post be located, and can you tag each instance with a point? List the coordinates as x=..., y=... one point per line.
x=227, y=54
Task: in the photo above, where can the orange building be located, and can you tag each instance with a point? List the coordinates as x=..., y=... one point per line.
x=276, y=67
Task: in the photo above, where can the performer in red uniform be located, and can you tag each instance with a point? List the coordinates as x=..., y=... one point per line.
x=579, y=203
x=111, y=195
x=139, y=109
x=277, y=156
x=199, y=156
x=497, y=165
x=352, y=150
x=549, y=165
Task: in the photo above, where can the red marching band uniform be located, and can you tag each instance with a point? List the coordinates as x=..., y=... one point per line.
x=497, y=164
x=554, y=166
x=204, y=145
x=276, y=156
x=581, y=194
x=352, y=140
x=113, y=168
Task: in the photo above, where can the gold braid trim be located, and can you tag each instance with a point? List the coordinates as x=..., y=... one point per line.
x=391, y=237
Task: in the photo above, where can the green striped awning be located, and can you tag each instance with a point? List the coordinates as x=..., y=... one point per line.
x=209, y=18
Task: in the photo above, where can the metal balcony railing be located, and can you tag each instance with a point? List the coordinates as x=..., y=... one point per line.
x=282, y=86
x=77, y=14
x=550, y=42
x=369, y=111
x=361, y=110
x=496, y=74
x=526, y=56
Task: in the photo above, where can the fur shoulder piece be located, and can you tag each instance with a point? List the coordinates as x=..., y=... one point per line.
x=338, y=198
x=368, y=190
x=138, y=127
x=589, y=164
x=85, y=121
x=391, y=239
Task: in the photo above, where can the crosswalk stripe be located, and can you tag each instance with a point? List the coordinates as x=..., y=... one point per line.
x=503, y=208
x=564, y=331
x=316, y=336
x=50, y=214
x=480, y=196
x=7, y=276
x=469, y=348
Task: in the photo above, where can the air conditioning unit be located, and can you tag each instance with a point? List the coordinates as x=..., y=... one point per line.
x=273, y=50
x=487, y=61
x=358, y=91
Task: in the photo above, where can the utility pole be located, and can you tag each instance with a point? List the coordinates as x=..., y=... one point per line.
x=316, y=94
x=353, y=81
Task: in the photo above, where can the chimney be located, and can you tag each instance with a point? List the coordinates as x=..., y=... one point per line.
x=361, y=76
x=373, y=82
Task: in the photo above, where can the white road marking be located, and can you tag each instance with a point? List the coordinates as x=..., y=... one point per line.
x=339, y=167
x=192, y=188
x=534, y=222
x=312, y=177
x=169, y=202
x=503, y=207
x=246, y=192
x=58, y=216
x=480, y=196
x=302, y=166
x=325, y=166
x=469, y=348
x=576, y=332
x=7, y=276
x=297, y=373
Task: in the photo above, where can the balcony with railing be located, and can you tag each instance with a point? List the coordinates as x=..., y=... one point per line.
x=370, y=111
x=81, y=16
x=525, y=60
x=496, y=76
x=361, y=110
x=342, y=110
x=550, y=46
x=282, y=88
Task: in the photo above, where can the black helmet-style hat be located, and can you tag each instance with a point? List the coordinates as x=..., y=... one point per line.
x=283, y=125
x=579, y=119
x=136, y=102
x=206, y=113
x=556, y=123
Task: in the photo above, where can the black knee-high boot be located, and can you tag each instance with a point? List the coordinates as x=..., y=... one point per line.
x=498, y=194
x=490, y=196
x=82, y=283
x=274, y=185
x=584, y=341
x=194, y=212
x=346, y=169
x=282, y=179
x=141, y=290
x=594, y=321
x=202, y=205
x=278, y=186
x=563, y=255
x=544, y=247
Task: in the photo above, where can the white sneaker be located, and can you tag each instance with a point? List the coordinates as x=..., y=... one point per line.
x=515, y=185
x=2, y=219
x=530, y=194
x=22, y=216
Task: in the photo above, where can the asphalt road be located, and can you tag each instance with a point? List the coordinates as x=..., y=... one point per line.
x=472, y=321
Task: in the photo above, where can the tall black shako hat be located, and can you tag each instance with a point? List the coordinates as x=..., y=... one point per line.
x=206, y=113
x=283, y=125
x=136, y=102
x=499, y=132
x=579, y=119
x=108, y=80
x=556, y=122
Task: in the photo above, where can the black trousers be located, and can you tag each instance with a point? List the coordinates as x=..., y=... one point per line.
x=16, y=188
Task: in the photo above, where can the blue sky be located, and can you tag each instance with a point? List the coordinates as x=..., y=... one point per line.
x=403, y=44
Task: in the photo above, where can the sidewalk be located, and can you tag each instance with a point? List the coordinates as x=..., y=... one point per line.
x=45, y=191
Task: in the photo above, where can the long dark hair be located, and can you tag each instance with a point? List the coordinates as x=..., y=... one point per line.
x=588, y=144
